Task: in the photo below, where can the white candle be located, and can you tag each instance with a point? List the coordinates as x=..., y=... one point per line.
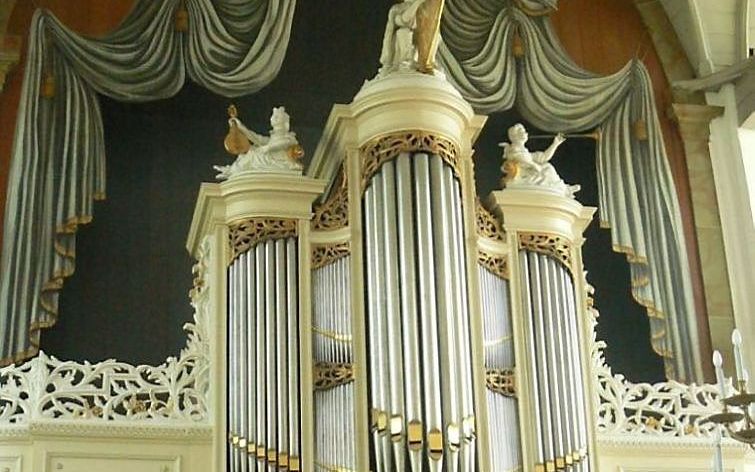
x=718, y=459
x=718, y=364
x=736, y=340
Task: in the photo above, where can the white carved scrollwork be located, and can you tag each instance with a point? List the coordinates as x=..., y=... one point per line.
x=664, y=409
x=45, y=388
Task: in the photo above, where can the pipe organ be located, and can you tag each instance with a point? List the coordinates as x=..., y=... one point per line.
x=378, y=316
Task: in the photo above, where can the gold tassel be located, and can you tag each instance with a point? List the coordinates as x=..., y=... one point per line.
x=182, y=18
x=517, y=45
x=640, y=130
x=235, y=142
x=48, y=85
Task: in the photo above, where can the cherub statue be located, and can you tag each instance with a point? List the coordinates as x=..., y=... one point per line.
x=412, y=36
x=278, y=153
x=524, y=168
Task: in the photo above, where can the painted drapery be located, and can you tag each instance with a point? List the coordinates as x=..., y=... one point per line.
x=231, y=47
x=505, y=53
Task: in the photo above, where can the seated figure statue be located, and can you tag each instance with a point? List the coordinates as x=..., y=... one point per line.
x=278, y=153
x=399, y=51
x=523, y=168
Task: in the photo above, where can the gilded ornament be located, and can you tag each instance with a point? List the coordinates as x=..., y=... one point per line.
x=235, y=142
x=498, y=265
x=427, y=34
x=325, y=254
x=551, y=245
x=334, y=212
x=246, y=234
x=488, y=225
x=328, y=375
x=386, y=148
x=501, y=381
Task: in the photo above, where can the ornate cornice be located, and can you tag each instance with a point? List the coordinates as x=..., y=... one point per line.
x=246, y=234
x=385, y=148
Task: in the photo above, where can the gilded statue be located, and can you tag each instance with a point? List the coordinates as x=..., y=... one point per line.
x=525, y=168
x=411, y=36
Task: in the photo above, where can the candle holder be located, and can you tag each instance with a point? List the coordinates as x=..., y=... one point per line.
x=736, y=417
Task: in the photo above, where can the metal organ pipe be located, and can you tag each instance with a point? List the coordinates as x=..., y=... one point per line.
x=552, y=325
x=418, y=317
x=263, y=363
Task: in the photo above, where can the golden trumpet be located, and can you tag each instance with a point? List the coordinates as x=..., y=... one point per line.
x=596, y=135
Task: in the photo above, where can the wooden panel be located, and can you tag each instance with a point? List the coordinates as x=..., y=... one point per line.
x=71, y=462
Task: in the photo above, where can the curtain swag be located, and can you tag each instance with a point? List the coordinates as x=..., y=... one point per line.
x=501, y=53
x=231, y=47
x=498, y=53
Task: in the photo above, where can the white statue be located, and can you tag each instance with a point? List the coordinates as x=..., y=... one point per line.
x=278, y=153
x=399, y=51
x=523, y=168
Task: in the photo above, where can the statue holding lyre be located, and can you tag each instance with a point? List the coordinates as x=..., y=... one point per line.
x=411, y=36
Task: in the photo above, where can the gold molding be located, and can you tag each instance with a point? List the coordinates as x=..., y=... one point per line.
x=328, y=375
x=385, y=148
x=558, y=247
x=488, y=225
x=326, y=254
x=333, y=213
x=246, y=234
x=501, y=381
x=497, y=264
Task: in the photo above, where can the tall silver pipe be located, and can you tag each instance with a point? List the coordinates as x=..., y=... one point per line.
x=242, y=359
x=464, y=327
x=412, y=371
x=251, y=362
x=428, y=313
x=233, y=370
x=532, y=348
x=261, y=276
x=565, y=387
x=381, y=342
x=441, y=210
x=581, y=401
x=542, y=358
x=372, y=291
x=270, y=325
x=549, y=344
x=281, y=355
x=393, y=312
x=292, y=307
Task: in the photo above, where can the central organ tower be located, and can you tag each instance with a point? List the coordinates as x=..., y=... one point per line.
x=376, y=314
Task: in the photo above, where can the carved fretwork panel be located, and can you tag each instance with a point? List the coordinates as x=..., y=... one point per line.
x=333, y=213
x=381, y=150
x=246, y=234
x=501, y=381
x=324, y=254
x=327, y=376
x=552, y=245
x=488, y=225
x=499, y=265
